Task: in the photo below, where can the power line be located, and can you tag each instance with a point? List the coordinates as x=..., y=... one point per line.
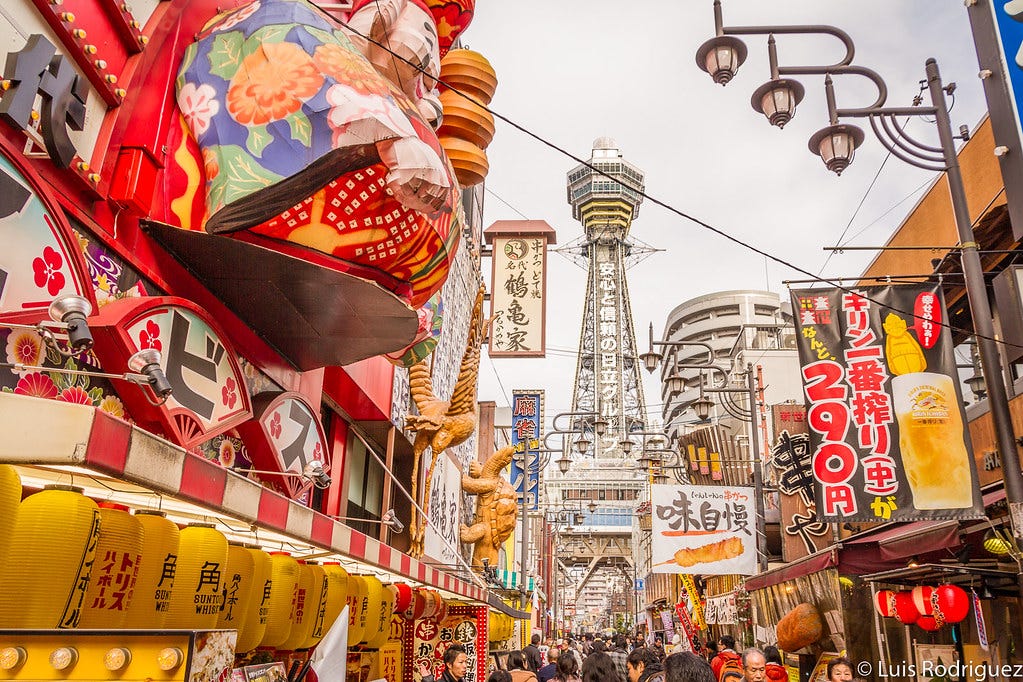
x=677, y=211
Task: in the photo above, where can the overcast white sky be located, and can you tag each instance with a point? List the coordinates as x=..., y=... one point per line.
x=574, y=70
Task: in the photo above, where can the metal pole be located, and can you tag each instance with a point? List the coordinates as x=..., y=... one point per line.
x=980, y=310
x=758, y=471
x=525, y=528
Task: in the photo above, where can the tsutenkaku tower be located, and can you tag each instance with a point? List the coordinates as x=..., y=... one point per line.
x=608, y=371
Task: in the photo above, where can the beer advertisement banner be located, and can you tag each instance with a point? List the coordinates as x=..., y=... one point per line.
x=527, y=427
x=884, y=409
x=703, y=529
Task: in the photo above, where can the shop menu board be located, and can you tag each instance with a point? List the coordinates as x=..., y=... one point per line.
x=884, y=409
x=425, y=640
x=704, y=529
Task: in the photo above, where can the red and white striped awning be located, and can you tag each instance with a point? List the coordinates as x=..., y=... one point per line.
x=35, y=431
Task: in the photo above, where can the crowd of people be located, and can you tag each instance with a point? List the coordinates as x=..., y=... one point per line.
x=619, y=660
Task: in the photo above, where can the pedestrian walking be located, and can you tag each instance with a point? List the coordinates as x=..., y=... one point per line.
x=547, y=672
x=754, y=665
x=726, y=655
x=619, y=655
x=840, y=669
x=568, y=669
x=686, y=666
x=598, y=667
x=518, y=666
x=456, y=661
x=775, y=670
x=644, y=665
x=532, y=652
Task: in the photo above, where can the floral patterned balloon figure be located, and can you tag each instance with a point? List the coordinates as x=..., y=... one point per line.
x=303, y=142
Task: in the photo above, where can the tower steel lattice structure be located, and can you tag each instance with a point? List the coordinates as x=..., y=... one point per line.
x=603, y=484
x=607, y=377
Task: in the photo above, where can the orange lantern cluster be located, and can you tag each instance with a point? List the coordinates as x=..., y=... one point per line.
x=927, y=607
x=468, y=128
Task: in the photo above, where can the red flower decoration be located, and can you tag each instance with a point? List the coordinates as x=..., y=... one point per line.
x=47, y=271
x=75, y=394
x=228, y=393
x=275, y=425
x=38, y=385
x=150, y=336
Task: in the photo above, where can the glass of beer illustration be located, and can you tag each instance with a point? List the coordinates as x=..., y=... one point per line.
x=934, y=453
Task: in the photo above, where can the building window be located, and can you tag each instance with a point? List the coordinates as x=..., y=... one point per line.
x=365, y=486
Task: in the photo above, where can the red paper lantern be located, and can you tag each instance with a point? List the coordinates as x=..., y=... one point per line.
x=884, y=603
x=905, y=610
x=928, y=623
x=402, y=596
x=922, y=600
x=952, y=601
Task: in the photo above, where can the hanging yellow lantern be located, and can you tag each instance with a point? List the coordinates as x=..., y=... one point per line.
x=284, y=580
x=10, y=498
x=317, y=605
x=336, y=598
x=196, y=596
x=50, y=558
x=160, y=537
x=118, y=555
x=237, y=590
x=374, y=605
x=383, y=625
x=358, y=600
x=254, y=626
x=303, y=611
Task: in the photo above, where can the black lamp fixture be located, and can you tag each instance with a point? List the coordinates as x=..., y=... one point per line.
x=777, y=99
x=592, y=506
x=67, y=314
x=564, y=462
x=582, y=444
x=721, y=57
x=913, y=562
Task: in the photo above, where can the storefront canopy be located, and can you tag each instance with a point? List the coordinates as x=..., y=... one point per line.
x=904, y=540
x=75, y=440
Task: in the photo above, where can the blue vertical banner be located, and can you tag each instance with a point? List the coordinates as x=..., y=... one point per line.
x=527, y=429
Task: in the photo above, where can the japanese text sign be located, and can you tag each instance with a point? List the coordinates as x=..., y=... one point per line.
x=519, y=287
x=527, y=428
x=887, y=430
x=792, y=474
x=704, y=529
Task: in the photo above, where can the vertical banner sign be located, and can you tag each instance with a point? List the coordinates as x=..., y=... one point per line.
x=802, y=532
x=704, y=529
x=519, y=287
x=887, y=428
x=527, y=427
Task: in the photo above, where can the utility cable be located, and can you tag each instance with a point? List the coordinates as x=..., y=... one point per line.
x=683, y=214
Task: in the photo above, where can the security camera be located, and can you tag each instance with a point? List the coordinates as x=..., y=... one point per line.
x=315, y=473
x=391, y=520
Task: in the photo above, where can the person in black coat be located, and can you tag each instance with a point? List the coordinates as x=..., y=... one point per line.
x=532, y=651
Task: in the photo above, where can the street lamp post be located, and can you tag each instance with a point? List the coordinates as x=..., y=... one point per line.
x=836, y=144
x=702, y=407
x=542, y=458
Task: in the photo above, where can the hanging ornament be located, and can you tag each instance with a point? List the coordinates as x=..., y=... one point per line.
x=922, y=599
x=905, y=611
x=952, y=602
x=884, y=603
